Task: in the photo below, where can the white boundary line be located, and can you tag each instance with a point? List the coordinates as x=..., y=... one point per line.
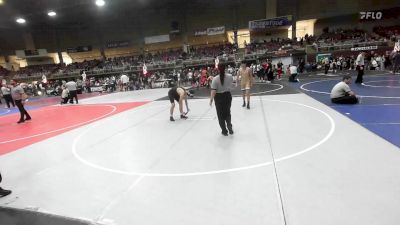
x=95, y=166
x=256, y=93
x=376, y=86
x=302, y=87
x=380, y=123
x=65, y=128
x=263, y=92
x=5, y=112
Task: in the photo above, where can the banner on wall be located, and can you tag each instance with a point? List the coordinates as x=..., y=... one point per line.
x=118, y=44
x=200, y=33
x=365, y=48
x=259, y=25
x=321, y=57
x=31, y=53
x=382, y=14
x=86, y=48
x=156, y=39
x=216, y=30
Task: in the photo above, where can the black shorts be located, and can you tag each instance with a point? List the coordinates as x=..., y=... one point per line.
x=173, y=95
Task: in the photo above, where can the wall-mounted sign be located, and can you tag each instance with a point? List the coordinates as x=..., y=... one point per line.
x=365, y=48
x=87, y=48
x=156, y=39
x=215, y=30
x=118, y=44
x=257, y=25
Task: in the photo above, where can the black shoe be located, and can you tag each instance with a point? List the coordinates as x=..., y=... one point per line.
x=171, y=119
x=28, y=118
x=244, y=104
x=248, y=105
x=21, y=121
x=184, y=117
x=225, y=133
x=4, y=192
x=231, y=131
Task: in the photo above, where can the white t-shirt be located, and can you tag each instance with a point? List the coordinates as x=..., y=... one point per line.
x=44, y=79
x=360, y=60
x=293, y=70
x=84, y=76
x=71, y=86
x=340, y=90
x=124, y=79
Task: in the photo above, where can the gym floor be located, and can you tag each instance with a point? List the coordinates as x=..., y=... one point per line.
x=294, y=158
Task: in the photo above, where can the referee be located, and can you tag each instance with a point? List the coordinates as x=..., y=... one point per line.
x=19, y=95
x=221, y=91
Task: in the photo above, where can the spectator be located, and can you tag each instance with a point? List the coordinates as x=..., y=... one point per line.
x=293, y=74
x=6, y=91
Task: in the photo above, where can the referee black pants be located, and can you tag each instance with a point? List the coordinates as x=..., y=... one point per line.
x=72, y=95
x=22, y=110
x=223, y=102
x=360, y=74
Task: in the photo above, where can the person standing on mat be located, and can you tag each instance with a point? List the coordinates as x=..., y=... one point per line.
x=360, y=67
x=19, y=97
x=7, y=95
x=3, y=192
x=246, y=81
x=178, y=94
x=221, y=92
x=341, y=93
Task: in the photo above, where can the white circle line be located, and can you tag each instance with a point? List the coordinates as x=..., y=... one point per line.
x=95, y=166
x=377, y=86
x=263, y=92
x=302, y=87
x=65, y=128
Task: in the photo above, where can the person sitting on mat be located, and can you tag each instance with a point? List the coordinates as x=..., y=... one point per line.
x=341, y=93
x=178, y=94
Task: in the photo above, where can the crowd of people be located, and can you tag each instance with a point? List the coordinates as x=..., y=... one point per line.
x=3, y=72
x=390, y=32
x=329, y=37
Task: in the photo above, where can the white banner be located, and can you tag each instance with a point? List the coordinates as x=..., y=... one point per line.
x=156, y=39
x=31, y=53
x=365, y=48
x=215, y=30
x=200, y=33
